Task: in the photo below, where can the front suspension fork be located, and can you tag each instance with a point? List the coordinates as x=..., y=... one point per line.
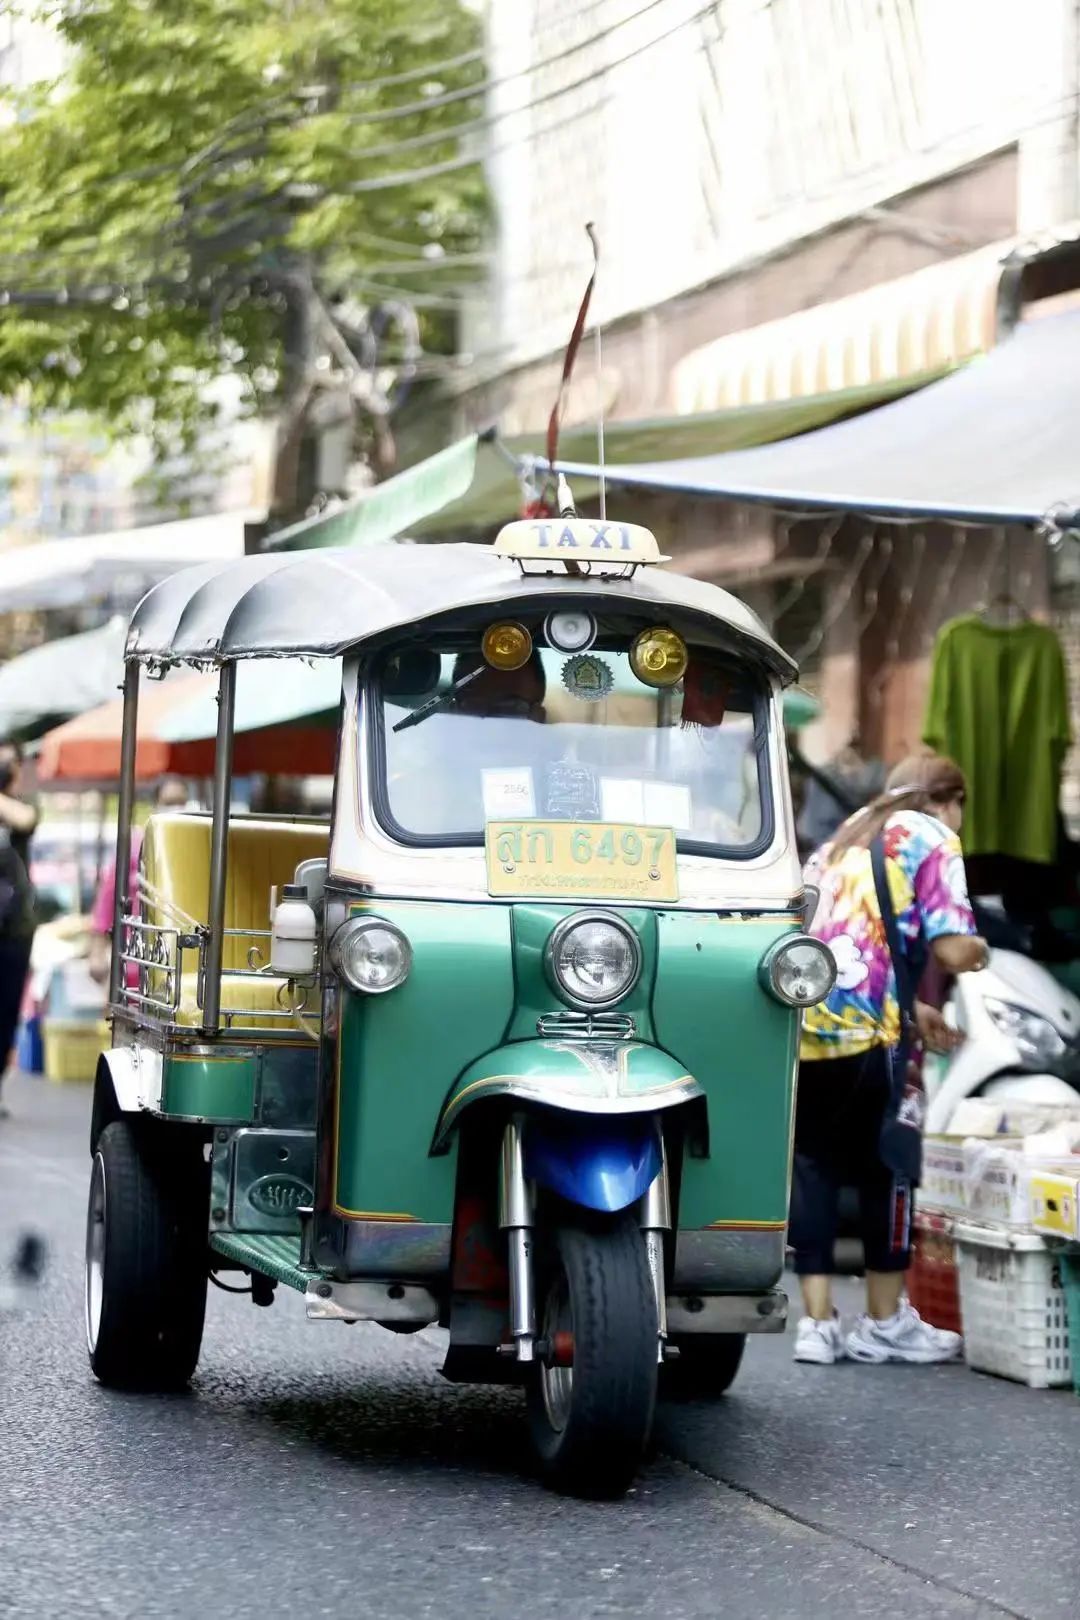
x=516, y=1220
x=655, y=1221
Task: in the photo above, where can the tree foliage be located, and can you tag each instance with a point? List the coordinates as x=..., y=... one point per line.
x=156, y=200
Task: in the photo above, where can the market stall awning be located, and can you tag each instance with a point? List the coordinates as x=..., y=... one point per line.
x=929, y=320
x=992, y=443
x=286, y=725
x=48, y=684
x=472, y=484
x=66, y=573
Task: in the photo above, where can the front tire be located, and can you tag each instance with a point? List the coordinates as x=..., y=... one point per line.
x=146, y=1265
x=590, y=1422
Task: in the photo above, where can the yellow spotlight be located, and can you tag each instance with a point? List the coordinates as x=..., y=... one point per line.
x=506, y=646
x=658, y=657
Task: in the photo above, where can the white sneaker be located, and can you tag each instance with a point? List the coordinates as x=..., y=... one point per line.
x=821, y=1342
x=903, y=1337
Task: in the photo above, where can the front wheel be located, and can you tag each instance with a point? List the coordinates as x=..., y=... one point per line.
x=593, y=1392
x=145, y=1259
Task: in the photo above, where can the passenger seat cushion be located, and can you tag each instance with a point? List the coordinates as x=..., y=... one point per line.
x=262, y=854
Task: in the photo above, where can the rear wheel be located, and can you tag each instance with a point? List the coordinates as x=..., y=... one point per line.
x=145, y=1259
x=707, y=1363
x=592, y=1398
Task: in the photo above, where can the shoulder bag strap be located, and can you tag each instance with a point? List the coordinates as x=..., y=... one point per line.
x=905, y=989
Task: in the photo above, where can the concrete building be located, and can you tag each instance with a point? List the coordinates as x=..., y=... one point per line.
x=793, y=198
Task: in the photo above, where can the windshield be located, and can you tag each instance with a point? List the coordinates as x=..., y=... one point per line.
x=574, y=739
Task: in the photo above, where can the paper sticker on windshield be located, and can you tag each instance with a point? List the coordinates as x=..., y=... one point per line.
x=508, y=793
x=653, y=804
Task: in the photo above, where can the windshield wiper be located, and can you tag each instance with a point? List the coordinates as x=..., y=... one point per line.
x=439, y=701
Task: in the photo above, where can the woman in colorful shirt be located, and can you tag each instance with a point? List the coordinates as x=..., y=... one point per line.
x=851, y=1042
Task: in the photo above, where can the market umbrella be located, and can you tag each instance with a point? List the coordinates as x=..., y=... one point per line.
x=124, y=563
x=62, y=678
x=178, y=727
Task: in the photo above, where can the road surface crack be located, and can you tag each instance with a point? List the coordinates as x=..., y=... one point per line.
x=822, y=1529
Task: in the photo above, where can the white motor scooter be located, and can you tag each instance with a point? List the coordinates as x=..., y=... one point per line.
x=1022, y=1035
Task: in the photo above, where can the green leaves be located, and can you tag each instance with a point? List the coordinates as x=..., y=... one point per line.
x=190, y=148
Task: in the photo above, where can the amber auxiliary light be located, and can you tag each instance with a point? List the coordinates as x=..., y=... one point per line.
x=658, y=657
x=507, y=645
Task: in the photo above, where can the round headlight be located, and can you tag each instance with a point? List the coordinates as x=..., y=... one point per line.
x=571, y=630
x=507, y=646
x=801, y=971
x=593, y=959
x=371, y=955
x=658, y=657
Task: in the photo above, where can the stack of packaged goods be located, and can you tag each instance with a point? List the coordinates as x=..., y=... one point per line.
x=989, y=1259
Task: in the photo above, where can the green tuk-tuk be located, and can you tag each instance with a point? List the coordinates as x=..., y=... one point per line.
x=509, y=1045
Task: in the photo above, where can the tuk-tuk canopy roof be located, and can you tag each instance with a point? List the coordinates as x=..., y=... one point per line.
x=321, y=604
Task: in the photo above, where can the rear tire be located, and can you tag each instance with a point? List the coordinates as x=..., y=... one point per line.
x=590, y=1423
x=707, y=1364
x=146, y=1260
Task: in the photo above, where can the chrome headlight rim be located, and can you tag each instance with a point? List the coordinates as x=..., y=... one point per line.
x=353, y=929
x=556, y=938
x=770, y=964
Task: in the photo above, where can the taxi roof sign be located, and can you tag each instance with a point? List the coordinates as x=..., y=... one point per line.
x=602, y=545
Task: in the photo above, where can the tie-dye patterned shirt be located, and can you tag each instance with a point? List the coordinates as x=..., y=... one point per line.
x=929, y=890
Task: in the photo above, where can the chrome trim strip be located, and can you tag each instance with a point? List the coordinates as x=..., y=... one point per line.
x=370, y=1302
x=719, y=1260
x=727, y=1313
x=396, y=1248
x=527, y=1090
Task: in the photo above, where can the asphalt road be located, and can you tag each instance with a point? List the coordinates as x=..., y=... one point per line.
x=316, y=1470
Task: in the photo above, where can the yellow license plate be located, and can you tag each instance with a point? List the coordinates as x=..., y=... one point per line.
x=568, y=860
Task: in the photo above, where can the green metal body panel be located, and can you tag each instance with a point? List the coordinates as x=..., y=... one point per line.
x=400, y=1053
x=742, y=1047
x=463, y=1027
x=277, y=1257
x=532, y=926
x=218, y=1088
x=273, y=1084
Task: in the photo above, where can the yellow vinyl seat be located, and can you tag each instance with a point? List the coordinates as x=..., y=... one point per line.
x=176, y=865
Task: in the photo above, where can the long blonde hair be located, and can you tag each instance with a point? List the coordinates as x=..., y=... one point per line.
x=922, y=782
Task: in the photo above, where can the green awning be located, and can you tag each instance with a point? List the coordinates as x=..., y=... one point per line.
x=471, y=485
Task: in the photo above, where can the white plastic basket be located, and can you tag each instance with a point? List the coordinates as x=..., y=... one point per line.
x=1013, y=1306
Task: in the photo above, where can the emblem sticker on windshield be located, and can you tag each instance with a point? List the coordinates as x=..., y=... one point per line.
x=587, y=677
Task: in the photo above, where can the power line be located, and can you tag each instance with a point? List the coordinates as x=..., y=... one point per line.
x=464, y=94
x=452, y=165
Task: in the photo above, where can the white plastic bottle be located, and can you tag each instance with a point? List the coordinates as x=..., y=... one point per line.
x=292, y=934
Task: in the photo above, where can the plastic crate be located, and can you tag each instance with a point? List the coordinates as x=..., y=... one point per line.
x=1013, y=1306
x=1070, y=1275
x=933, y=1285
x=73, y=1046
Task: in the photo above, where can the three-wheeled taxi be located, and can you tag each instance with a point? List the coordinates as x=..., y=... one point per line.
x=509, y=1046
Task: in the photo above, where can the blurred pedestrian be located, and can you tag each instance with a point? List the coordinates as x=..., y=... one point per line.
x=892, y=889
x=18, y=818
x=172, y=794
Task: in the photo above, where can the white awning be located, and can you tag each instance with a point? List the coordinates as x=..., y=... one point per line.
x=928, y=321
x=64, y=573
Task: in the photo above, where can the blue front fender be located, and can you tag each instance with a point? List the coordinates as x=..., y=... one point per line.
x=601, y=1162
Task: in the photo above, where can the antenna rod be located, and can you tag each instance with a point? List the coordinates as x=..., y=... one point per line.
x=594, y=239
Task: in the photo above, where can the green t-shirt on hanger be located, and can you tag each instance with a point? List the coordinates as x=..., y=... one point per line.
x=999, y=706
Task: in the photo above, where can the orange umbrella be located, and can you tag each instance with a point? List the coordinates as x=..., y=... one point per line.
x=87, y=750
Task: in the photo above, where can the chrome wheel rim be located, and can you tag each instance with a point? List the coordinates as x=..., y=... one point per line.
x=95, y=1252
x=557, y=1383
